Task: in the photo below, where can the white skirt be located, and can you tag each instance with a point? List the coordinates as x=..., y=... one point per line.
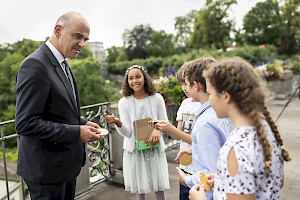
x=143, y=170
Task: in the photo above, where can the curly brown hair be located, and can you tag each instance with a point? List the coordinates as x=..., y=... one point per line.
x=193, y=70
x=148, y=82
x=237, y=77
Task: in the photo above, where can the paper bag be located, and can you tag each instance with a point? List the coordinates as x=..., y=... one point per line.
x=142, y=134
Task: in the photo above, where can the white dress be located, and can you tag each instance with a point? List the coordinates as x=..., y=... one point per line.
x=144, y=170
x=251, y=176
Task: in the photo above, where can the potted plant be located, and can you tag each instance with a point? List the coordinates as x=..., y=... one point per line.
x=274, y=72
x=169, y=88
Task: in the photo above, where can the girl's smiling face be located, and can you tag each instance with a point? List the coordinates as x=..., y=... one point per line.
x=136, y=79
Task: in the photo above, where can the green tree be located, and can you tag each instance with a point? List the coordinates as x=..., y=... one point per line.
x=113, y=53
x=184, y=26
x=291, y=34
x=9, y=114
x=122, y=56
x=8, y=69
x=3, y=51
x=92, y=87
x=212, y=26
x=85, y=53
x=25, y=47
x=136, y=41
x=161, y=44
x=263, y=24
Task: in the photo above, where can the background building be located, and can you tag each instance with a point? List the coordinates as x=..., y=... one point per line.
x=99, y=54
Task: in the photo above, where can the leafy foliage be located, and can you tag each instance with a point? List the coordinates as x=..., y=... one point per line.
x=169, y=88
x=290, y=43
x=263, y=24
x=136, y=40
x=8, y=69
x=161, y=44
x=212, y=26
x=184, y=26
x=92, y=86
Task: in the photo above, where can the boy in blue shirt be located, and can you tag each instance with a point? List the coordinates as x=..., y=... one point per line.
x=209, y=132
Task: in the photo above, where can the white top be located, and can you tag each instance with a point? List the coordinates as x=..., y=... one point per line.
x=186, y=113
x=143, y=110
x=57, y=55
x=251, y=176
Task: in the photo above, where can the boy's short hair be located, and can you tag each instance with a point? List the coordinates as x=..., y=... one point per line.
x=180, y=74
x=193, y=70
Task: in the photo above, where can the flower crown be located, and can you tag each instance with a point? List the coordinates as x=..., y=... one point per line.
x=137, y=67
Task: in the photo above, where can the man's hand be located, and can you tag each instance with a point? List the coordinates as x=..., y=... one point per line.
x=92, y=124
x=187, y=150
x=197, y=193
x=154, y=137
x=88, y=133
x=182, y=176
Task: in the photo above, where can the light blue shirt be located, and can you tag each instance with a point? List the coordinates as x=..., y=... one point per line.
x=208, y=136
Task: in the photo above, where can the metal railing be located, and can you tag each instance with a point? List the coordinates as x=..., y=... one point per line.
x=98, y=152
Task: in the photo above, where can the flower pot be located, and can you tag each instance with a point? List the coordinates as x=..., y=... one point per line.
x=283, y=88
x=269, y=78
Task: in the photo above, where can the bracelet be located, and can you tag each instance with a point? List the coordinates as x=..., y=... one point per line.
x=281, y=147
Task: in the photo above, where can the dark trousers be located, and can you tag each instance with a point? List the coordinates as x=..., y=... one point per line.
x=52, y=191
x=183, y=190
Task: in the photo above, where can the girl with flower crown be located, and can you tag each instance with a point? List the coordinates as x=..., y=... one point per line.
x=250, y=164
x=142, y=169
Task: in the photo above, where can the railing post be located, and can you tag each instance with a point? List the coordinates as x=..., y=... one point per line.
x=4, y=162
x=116, y=146
x=21, y=178
x=83, y=187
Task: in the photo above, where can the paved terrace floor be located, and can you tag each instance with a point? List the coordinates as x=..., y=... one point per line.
x=289, y=127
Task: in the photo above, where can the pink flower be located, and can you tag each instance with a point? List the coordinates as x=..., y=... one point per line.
x=159, y=87
x=267, y=73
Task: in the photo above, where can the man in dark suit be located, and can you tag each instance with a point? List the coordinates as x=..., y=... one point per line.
x=51, y=151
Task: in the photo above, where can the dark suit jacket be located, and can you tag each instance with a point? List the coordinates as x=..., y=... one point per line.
x=47, y=119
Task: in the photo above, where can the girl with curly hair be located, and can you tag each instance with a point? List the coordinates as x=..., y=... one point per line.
x=250, y=164
x=142, y=169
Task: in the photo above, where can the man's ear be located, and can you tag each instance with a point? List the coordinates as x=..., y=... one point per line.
x=226, y=97
x=57, y=30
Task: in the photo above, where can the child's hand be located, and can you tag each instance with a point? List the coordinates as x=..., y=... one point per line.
x=187, y=150
x=211, y=180
x=110, y=118
x=154, y=137
x=197, y=193
x=182, y=176
x=161, y=125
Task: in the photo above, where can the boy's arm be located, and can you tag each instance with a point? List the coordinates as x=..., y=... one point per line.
x=179, y=124
x=172, y=131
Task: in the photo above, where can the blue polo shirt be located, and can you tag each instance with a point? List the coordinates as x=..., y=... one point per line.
x=208, y=136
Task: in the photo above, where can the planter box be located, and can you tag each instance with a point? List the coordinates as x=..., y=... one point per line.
x=283, y=88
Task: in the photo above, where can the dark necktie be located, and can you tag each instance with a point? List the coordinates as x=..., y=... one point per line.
x=69, y=76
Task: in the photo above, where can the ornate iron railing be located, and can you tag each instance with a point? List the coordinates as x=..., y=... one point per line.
x=98, y=151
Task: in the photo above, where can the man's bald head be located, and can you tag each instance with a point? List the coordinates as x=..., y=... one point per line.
x=70, y=34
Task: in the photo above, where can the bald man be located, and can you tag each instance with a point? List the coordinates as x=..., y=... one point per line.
x=52, y=133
